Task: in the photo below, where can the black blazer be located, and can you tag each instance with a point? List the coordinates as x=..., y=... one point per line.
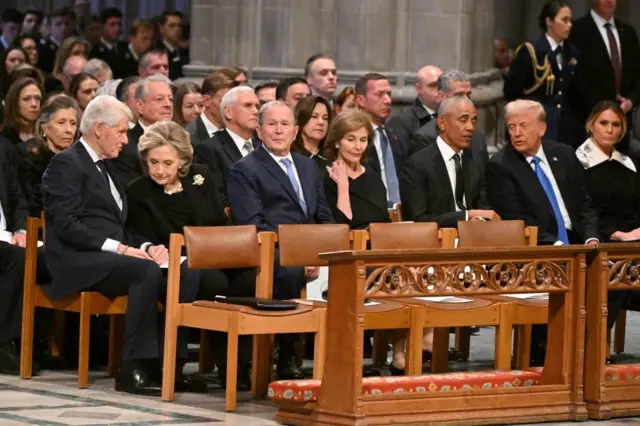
x=126, y=63
x=411, y=118
x=425, y=188
x=554, y=98
x=177, y=59
x=368, y=198
x=428, y=134
x=595, y=78
x=147, y=217
x=515, y=192
x=261, y=194
x=126, y=166
x=47, y=55
x=110, y=56
x=400, y=147
x=14, y=205
x=197, y=131
x=81, y=214
x=35, y=160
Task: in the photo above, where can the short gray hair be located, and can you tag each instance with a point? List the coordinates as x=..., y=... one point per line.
x=231, y=97
x=142, y=87
x=95, y=66
x=525, y=105
x=448, y=77
x=449, y=103
x=167, y=133
x=265, y=107
x=105, y=109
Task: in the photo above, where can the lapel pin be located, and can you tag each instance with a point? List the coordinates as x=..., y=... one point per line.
x=555, y=159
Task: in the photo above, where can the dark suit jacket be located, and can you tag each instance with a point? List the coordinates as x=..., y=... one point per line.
x=47, y=55
x=197, y=131
x=428, y=134
x=147, y=217
x=516, y=193
x=261, y=194
x=220, y=153
x=126, y=63
x=425, y=188
x=595, y=78
x=560, y=122
x=110, y=56
x=81, y=214
x=400, y=147
x=177, y=59
x=411, y=118
x=14, y=205
x=126, y=168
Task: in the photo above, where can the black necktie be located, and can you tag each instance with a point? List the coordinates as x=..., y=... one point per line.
x=459, y=182
x=103, y=170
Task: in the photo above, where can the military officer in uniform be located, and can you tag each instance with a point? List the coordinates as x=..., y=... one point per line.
x=543, y=71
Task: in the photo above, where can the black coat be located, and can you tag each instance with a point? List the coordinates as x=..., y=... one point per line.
x=197, y=131
x=149, y=219
x=516, y=193
x=14, y=205
x=177, y=59
x=110, y=56
x=400, y=147
x=127, y=167
x=35, y=160
x=126, y=64
x=425, y=188
x=81, y=214
x=428, y=134
x=411, y=118
x=47, y=55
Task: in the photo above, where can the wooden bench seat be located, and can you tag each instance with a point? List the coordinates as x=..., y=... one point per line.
x=307, y=390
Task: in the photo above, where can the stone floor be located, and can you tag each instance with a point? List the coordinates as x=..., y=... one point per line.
x=53, y=399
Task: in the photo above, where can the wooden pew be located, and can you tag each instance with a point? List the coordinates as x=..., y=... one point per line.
x=609, y=390
x=343, y=397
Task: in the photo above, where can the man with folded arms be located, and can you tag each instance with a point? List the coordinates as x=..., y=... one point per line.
x=88, y=247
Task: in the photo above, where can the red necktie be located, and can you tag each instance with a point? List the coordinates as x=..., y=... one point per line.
x=615, y=57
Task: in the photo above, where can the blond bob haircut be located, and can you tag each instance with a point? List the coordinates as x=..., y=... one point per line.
x=346, y=122
x=525, y=105
x=167, y=133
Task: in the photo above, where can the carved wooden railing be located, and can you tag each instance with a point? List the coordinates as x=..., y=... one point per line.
x=354, y=276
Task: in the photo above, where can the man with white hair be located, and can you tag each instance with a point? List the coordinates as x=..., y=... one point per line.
x=239, y=110
x=540, y=182
x=90, y=249
x=99, y=69
x=154, y=102
x=73, y=66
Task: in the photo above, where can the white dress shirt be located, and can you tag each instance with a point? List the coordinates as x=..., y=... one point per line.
x=109, y=245
x=239, y=141
x=554, y=45
x=600, y=22
x=278, y=160
x=546, y=168
x=5, y=235
x=447, y=154
x=429, y=110
x=376, y=143
x=106, y=43
x=211, y=128
x=133, y=53
x=169, y=47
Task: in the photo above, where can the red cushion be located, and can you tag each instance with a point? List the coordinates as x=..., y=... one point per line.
x=307, y=390
x=615, y=372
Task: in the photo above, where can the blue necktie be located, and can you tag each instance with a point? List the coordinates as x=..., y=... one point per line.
x=389, y=168
x=294, y=182
x=548, y=189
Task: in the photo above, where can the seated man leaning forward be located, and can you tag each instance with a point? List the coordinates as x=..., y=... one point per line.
x=88, y=247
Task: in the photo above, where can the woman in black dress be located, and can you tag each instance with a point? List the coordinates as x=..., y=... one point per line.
x=56, y=130
x=173, y=194
x=313, y=116
x=613, y=182
x=355, y=193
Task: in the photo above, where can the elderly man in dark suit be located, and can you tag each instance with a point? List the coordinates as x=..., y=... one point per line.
x=450, y=83
x=273, y=186
x=425, y=106
x=540, y=182
x=609, y=67
x=391, y=145
x=444, y=183
x=240, y=116
x=89, y=249
x=154, y=102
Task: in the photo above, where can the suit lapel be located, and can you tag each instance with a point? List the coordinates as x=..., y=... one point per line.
x=98, y=180
x=201, y=130
x=440, y=169
x=600, y=44
x=229, y=147
x=558, y=170
x=467, y=172
x=305, y=183
x=274, y=169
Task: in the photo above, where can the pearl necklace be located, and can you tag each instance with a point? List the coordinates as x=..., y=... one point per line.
x=175, y=190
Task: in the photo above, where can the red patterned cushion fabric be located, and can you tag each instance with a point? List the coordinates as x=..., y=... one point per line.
x=619, y=372
x=307, y=390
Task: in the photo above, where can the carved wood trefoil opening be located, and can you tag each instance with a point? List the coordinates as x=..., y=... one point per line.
x=409, y=280
x=624, y=272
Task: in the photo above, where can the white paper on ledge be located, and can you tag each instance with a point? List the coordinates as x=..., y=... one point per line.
x=541, y=296
x=320, y=284
x=444, y=299
x=166, y=265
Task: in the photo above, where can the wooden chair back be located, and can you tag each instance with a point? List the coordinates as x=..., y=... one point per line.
x=408, y=235
x=502, y=233
x=395, y=213
x=222, y=246
x=299, y=245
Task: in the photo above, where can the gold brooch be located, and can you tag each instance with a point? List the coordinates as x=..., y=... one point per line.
x=198, y=180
